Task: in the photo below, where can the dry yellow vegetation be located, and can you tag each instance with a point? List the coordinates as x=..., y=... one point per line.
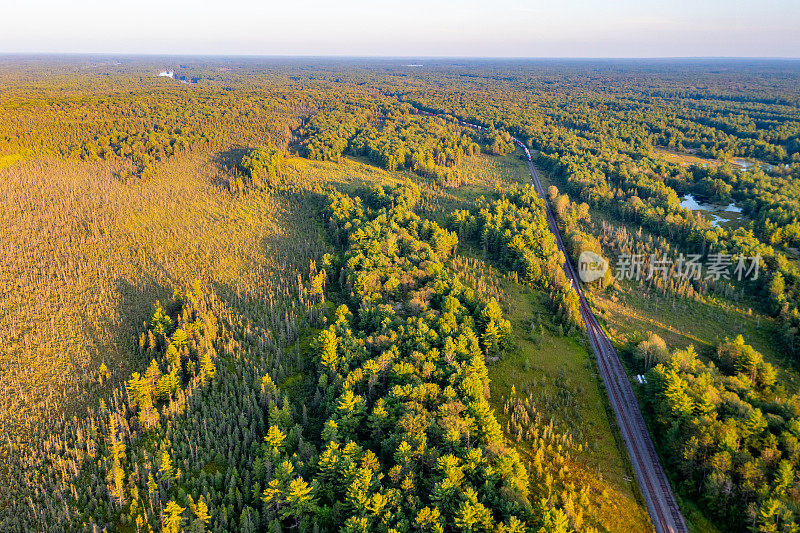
x=85, y=256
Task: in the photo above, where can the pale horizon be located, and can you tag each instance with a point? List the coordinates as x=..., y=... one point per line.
x=617, y=29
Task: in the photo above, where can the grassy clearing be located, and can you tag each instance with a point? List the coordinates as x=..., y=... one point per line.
x=481, y=174
x=10, y=159
x=561, y=374
x=346, y=175
x=634, y=311
x=684, y=158
x=546, y=363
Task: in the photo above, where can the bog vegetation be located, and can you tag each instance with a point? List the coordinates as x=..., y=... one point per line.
x=287, y=296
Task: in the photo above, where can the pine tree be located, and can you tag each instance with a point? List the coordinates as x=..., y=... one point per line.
x=327, y=343
x=116, y=475
x=173, y=517
x=200, y=511
x=274, y=439
x=166, y=469
x=207, y=367
x=300, y=500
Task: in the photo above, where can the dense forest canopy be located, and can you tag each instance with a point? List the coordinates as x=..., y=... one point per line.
x=303, y=294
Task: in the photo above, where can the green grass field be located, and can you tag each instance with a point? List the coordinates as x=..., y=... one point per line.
x=550, y=364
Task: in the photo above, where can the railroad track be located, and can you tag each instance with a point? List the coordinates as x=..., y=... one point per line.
x=661, y=504
x=664, y=511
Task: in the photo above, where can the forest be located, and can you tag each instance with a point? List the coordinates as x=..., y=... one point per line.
x=311, y=295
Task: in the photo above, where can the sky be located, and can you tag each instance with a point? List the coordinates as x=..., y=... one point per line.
x=410, y=28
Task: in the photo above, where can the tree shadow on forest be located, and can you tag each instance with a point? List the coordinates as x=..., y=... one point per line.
x=301, y=242
x=115, y=340
x=226, y=164
x=227, y=160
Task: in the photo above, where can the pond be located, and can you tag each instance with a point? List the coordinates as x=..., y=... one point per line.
x=716, y=214
x=747, y=164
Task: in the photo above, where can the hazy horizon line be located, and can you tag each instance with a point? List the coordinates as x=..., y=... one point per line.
x=404, y=57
